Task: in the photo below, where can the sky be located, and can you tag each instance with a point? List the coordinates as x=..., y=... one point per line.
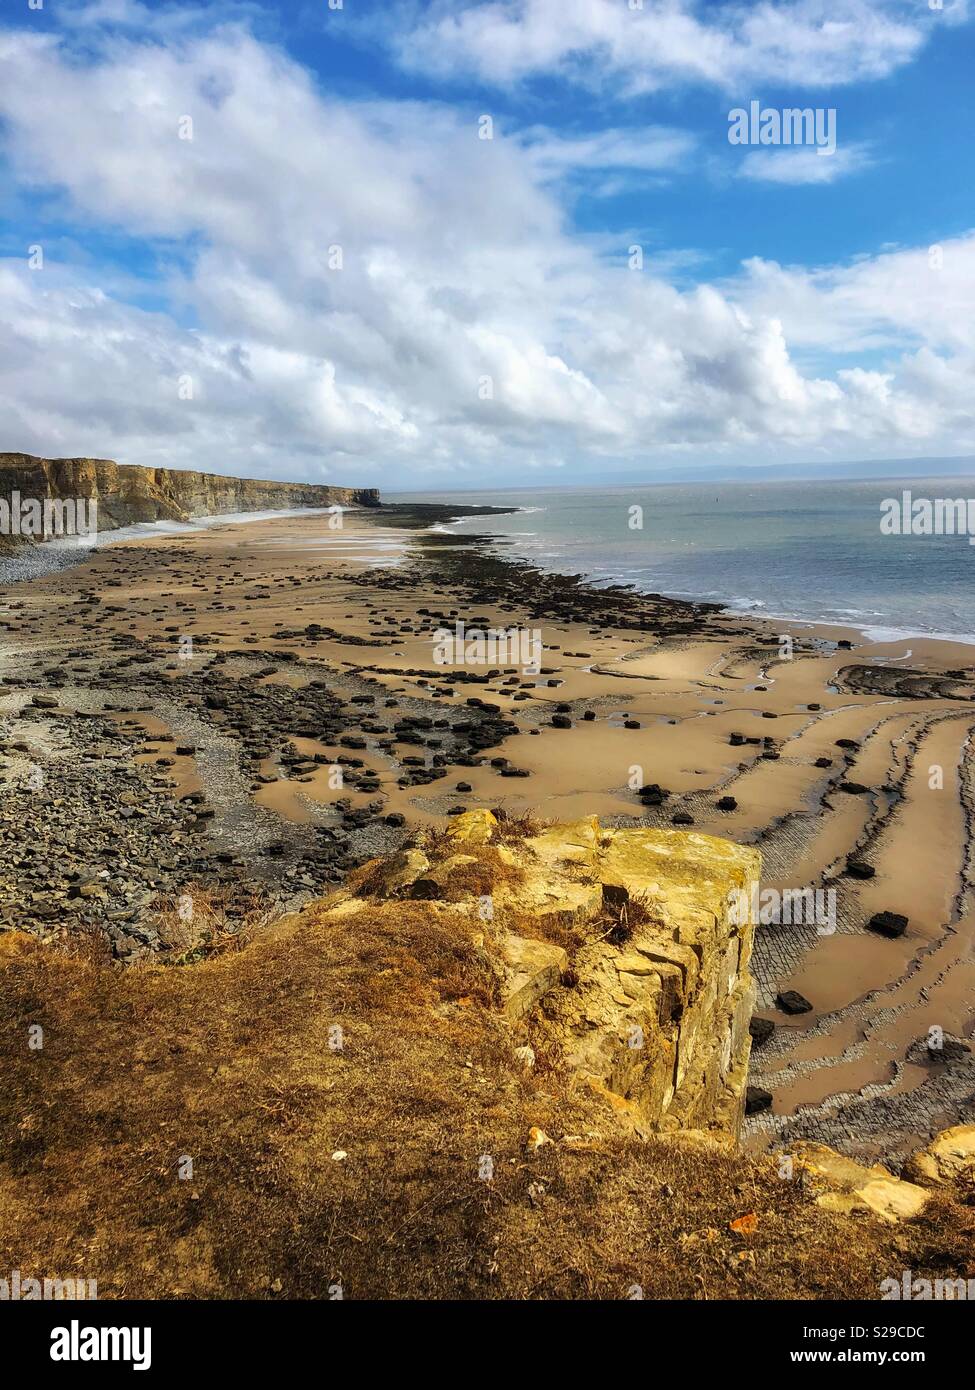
x=486, y=242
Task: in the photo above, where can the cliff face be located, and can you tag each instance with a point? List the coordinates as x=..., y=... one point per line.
x=128, y=493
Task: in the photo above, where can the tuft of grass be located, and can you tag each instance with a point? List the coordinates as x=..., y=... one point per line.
x=621, y=916
x=202, y=922
x=513, y=829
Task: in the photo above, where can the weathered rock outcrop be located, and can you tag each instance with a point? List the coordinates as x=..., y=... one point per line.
x=618, y=955
x=840, y=1184
x=843, y=1185
x=128, y=493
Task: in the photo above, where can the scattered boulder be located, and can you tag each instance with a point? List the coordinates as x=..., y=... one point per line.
x=653, y=794
x=888, y=923
x=845, y=1186
x=948, y=1159
x=790, y=1001
x=757, y=1100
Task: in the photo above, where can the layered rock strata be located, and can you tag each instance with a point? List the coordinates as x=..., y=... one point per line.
x=127, y=494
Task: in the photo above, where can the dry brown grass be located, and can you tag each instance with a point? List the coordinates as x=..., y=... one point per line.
x=485, y=872
x=202, y=922
x=233, y=1062
x=488, y=873
x=513, y=829
x=621, y=916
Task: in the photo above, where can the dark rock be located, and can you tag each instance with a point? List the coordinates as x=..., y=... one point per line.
x=951, y=1050
x=890, y=924
x=790, y=1001
x=757, y=1100
x=761, y=1029
x=615, y=895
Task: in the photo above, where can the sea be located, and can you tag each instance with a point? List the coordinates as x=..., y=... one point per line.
x=803, y=551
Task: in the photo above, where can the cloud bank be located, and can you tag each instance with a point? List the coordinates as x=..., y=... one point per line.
x=371, y=292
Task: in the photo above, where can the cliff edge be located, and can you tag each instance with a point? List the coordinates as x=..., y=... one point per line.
x=128, y=493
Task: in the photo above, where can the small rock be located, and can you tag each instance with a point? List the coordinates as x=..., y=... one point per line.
x=790, y=1001
x=757, y=1100
x=761, y=1029
x=888, y=923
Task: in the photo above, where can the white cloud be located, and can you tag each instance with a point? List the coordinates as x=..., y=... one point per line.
x=800, y=164
x=458, y=267
x=662, y=43
x=645, y=150
x=904, y=296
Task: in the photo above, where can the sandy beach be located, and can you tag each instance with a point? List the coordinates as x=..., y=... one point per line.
x=221, y=677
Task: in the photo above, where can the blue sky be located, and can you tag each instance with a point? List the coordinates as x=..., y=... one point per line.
x=271, y=241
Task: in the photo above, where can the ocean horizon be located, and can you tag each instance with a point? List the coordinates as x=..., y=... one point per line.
x=810, y=551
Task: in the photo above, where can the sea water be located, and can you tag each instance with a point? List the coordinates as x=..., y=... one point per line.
x=810, y=551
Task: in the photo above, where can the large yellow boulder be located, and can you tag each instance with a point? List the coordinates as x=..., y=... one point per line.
x=845, y=1186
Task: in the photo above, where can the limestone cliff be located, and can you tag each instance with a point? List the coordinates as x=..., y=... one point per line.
x=128, y=493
